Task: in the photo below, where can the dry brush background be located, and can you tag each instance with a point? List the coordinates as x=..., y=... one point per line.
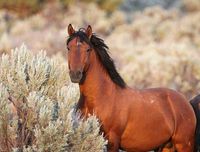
x=154, y=47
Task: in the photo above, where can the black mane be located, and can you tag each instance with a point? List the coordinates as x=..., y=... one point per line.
x=101, y=49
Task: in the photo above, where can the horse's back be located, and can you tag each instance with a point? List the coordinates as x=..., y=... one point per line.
x=170, y=102
x=154, y=115
x=167, y=97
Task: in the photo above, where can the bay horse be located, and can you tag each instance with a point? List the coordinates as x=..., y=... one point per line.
x=133, y=120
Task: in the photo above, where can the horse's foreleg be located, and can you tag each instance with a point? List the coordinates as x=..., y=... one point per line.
x=113, y=142
x=168, y=147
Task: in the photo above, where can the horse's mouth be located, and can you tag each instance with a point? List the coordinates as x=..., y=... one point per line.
x=75, y=80
x=75, y=77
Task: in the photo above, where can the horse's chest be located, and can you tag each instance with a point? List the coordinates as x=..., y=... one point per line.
x=103, y=112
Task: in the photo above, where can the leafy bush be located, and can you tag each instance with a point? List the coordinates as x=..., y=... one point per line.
x=107, y=5
x=191, y=5
x=23, y=7
x=27, y=7
x=37, y=107
x=110, y=5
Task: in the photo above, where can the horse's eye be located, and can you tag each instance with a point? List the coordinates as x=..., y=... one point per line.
x=88, y=49
x=68, y=48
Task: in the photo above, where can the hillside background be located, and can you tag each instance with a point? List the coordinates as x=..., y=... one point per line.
x=155, y=43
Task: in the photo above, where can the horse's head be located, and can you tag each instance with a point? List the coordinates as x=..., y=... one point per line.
x=79, y=48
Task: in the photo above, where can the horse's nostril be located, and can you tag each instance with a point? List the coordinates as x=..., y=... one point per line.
x=75, y=74
x=70, y=72
x=79, y=73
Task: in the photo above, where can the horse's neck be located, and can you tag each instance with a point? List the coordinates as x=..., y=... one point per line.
x=96, y=84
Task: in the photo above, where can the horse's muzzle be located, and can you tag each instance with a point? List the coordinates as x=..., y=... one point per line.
x=76, y=76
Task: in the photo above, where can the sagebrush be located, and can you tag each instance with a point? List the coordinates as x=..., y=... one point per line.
x=37, y=107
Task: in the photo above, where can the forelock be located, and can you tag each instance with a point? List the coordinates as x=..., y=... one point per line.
x=81, y=35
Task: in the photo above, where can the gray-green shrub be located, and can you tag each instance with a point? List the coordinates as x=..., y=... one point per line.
x=37, y=104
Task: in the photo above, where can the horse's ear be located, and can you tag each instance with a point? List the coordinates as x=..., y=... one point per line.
x=89, y=31
x=70, y=30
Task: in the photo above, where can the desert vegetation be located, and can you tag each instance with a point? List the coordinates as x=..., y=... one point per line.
x=154, y=47
x=37, y=104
